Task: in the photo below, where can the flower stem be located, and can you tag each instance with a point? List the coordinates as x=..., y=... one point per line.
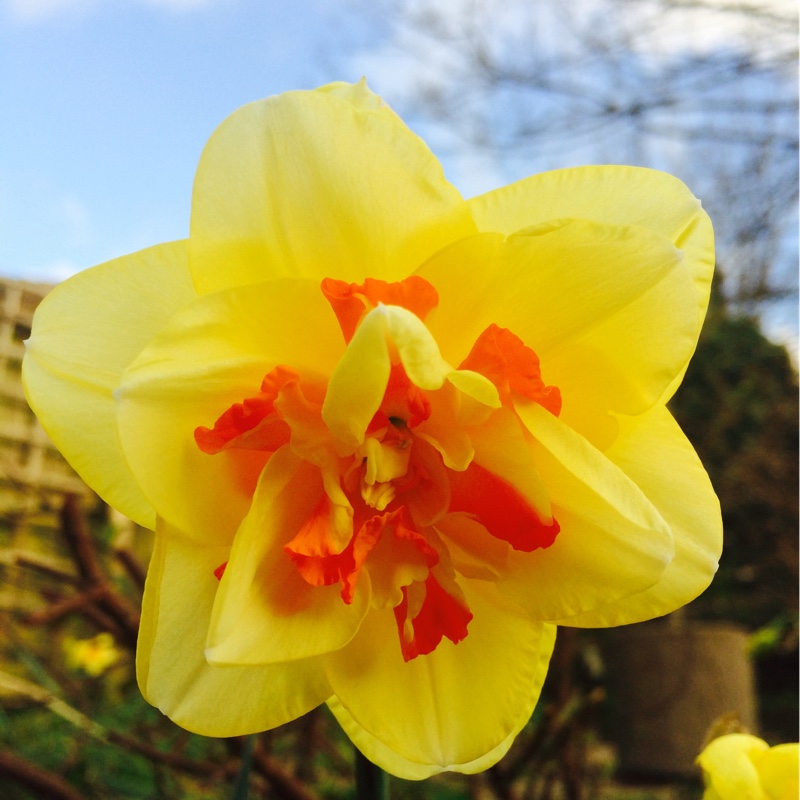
x=372, y=783
x=240, y=791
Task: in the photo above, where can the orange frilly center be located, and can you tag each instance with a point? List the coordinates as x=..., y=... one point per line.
x=391, y=505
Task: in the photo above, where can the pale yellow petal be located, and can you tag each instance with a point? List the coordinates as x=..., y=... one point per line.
x=85, y=334
x=613, y=542
x=216, y=353
x=615, y=195
x=265, y=612
x=655, y=454
x=172, y=670
x=448, y=710
x=318, y=184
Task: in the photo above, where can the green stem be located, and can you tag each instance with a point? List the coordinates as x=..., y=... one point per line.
x=240, y=791
x=372, y=783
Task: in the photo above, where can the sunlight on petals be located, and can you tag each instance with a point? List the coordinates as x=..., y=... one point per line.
x=325, y=208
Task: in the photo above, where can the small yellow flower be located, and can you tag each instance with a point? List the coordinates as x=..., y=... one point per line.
x=94, y=656
x=388, y=438
x=743, y=767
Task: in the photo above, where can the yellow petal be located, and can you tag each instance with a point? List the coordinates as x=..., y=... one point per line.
x=614, y=195
x=613, y=542
x=728, y=766
x=318, y=184
x=213, y=354
x=265, y=612
x=85, y=334
x=171, y=666
x=452, y=709
x=359, y=381
x=394, y=763
x=655, y=454
x=618, y=196
x=778, y=770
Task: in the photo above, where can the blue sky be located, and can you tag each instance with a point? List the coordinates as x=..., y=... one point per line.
x=107, y=105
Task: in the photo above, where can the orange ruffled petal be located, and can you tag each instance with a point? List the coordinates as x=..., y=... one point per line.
x=251, y=424
x=350, y=301
x=512, y=366
x=311, y=552
x=441, y=615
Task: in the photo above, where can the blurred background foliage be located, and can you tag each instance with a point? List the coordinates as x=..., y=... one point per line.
x=496, y=88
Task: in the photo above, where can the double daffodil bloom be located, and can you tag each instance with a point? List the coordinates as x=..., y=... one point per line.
x=388, y=439
x=743, y=767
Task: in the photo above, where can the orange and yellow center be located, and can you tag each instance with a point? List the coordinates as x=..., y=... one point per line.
x=395, y=492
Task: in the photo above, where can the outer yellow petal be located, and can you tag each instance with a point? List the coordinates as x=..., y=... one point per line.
x=609, y=194
x=85, y=333
x=448, y=710
x=655, y=454
x=171, y=667
x=613, y=542
x=265, y=612
x=213, y=354
x=778, y=770
x=728, y=766
x=318, y=184
x=394, y=763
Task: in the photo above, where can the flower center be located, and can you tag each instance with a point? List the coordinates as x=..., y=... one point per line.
x=399, y=438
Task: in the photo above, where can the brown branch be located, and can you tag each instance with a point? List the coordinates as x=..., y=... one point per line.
x=133, y=567
x=58, y=609
x=44, y=783
x=106, y=600
x=34, y=562
x=79, y=540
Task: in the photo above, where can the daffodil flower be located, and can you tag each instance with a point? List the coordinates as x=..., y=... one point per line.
x=388, y=439
x=93, y=656
x=739, y=766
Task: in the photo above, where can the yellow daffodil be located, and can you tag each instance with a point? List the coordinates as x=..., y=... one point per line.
x=743, y=767
x=93, y=656
x=388, y=438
